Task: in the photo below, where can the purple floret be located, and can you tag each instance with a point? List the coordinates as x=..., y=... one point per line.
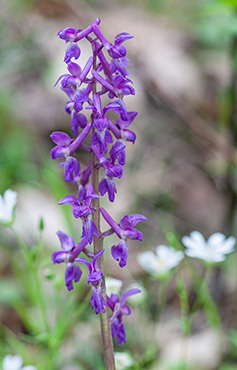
x=94, y=279
x=125, y=231
x=119, y=309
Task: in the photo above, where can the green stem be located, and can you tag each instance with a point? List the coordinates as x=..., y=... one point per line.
x=184, y=305
x=98, y=245
x=205, y=299
x=161, y=299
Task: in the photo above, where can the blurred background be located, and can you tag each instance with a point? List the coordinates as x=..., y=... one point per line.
x=181, y=172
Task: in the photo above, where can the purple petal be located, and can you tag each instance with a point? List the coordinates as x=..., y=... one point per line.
x=101, y=37
x=118, y=329
x=127, y=294
x=87, y=30
x=69, y=199
x=94, y=276
x=74, y=69
x=85, y=262
x=86, y=69
x=97, y=301
x=85, y=175
x=125, y=123
x=116, y=150
x=115, y=170
x=111, y=222
x=80, y=211
x=78, y=120
x=121, y=37
x=112, y=300
x=100, y=123
x=118, y=51
x=61, y=138
x=89, y=229
x=97, y=104
x=72, y=51
x=71, y=168
x=77, y=142
x=108, y=137
x=68, y=33
x=118, y=106
x=59, y=257
x=129, y=221
x=97, y=255
x=120, y=253
x=67, y=242
x=59, y=152
x=103, y=82
x=107, y=185
x=133, y=234
x=129, y=135
x=72, y=272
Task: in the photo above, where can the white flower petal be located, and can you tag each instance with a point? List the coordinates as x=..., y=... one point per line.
x=12, y=362
x=7, y=204
x=122, y=360
x=198, y=237
x=216, y=239
x=162, y=251
x=113, y=285
x=29, y=367
x=227, y=246
x=147, y=261
x=191, y=243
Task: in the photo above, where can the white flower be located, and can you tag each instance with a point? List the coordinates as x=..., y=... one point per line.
x=212, y=250
x=122, y=360
x=159, y=263
x=7, y=204
x=15, y=362
x=113, y=286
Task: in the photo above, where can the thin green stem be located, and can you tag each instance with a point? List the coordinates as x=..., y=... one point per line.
x=205, y=299
x=98, y=245
x=161, y=299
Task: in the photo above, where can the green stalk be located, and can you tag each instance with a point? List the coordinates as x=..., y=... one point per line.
x=205, y=299
x=98, y=245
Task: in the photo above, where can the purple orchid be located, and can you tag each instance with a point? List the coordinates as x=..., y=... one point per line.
x=73, y=171
x=65, y=145
x=68, y=254
x=94, y=279
x=81, y=207
x=119, y=309
x=103, y=73
x=112, y=170
x=125, y=231
x=101, y=134
x=72, y=51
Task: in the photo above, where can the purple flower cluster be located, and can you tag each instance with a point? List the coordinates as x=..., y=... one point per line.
x=104, y=74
